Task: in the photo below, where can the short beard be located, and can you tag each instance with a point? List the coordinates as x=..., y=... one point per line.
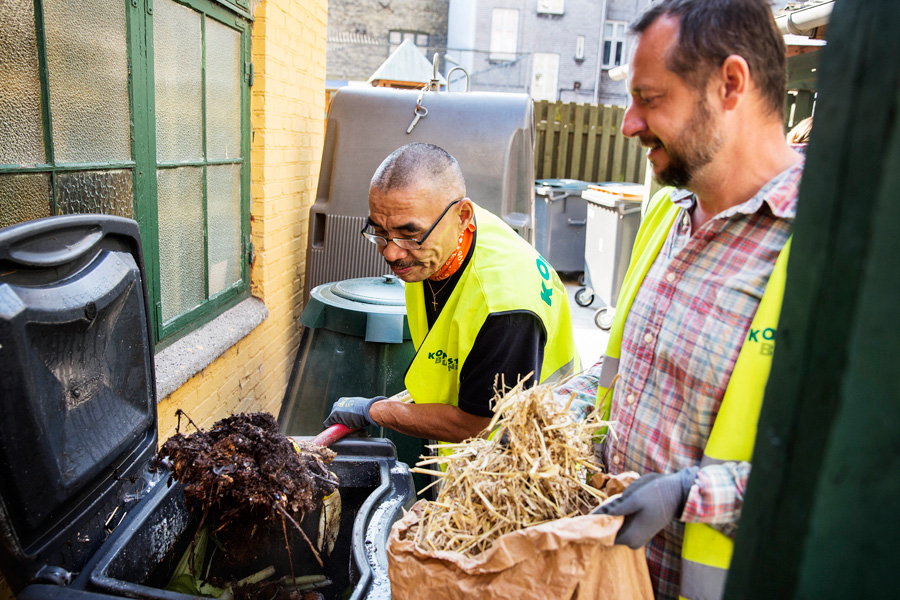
x=697, y=147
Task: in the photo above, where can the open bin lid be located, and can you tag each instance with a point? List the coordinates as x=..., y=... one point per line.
x=78, y=409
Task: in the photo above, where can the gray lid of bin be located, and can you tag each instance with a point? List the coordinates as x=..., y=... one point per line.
x=373, y=308
x=544, y=185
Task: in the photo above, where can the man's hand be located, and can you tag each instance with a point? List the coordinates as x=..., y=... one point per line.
x=352, y=411
x=649, y=505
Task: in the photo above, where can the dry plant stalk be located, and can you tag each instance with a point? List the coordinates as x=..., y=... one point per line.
x=539, y=473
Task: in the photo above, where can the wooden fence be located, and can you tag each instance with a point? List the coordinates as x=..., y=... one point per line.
x=585, y=141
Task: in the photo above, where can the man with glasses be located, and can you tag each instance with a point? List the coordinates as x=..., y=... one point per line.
x=484, y=308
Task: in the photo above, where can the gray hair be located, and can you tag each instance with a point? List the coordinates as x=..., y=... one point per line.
x=419, y=163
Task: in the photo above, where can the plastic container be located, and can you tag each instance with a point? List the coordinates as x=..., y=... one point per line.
x=560, y=219
x=613, y=218
x=137, y=560
x=82, y=515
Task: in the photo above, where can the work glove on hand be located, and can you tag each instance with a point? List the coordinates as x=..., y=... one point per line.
x=352, y=411
x=649, y=505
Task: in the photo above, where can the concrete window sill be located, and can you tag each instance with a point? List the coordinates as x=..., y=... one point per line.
x=194, y=352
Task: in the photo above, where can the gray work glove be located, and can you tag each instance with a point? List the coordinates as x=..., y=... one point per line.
x=352, y=411
x=649, y=505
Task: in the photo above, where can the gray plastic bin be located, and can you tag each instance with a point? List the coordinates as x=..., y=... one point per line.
x=612, y=225
x=560, y=217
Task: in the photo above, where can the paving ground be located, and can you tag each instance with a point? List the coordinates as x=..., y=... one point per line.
x=590, y=339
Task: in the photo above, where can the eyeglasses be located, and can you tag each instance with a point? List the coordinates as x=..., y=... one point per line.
x=405, y=243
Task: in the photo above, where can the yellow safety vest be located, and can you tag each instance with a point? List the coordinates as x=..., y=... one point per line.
x=706, y=553
x=505, y=274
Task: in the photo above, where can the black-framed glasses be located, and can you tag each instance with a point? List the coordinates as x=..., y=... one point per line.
x=405, y=243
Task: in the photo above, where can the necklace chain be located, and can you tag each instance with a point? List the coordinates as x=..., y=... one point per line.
x=434, y=294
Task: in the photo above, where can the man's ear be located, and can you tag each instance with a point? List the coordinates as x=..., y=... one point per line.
x=466, y=212
x=734, y=81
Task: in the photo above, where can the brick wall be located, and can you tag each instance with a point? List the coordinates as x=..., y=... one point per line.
x=287, y=112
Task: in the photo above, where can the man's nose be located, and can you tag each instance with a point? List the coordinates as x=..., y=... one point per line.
x=393, y=252
x=633, y=123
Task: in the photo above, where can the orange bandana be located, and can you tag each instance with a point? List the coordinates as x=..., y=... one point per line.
x=456, y=259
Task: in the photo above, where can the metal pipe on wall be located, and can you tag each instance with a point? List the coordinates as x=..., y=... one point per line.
x=600, y=52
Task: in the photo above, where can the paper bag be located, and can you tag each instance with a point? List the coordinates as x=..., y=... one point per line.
x=567, y=558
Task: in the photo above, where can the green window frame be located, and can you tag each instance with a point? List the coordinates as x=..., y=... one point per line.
x=97, y=119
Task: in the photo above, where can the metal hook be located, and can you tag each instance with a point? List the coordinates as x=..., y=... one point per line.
x=466, y=73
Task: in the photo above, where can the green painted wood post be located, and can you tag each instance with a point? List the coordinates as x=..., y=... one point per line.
x=821, y=515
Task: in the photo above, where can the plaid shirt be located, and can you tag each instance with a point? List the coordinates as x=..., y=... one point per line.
x=679, y=346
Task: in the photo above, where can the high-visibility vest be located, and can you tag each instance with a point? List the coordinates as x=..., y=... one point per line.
x=505, y=274
x=706, y=553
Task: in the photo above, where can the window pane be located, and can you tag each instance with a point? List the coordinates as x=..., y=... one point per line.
x=607, y=47
x=106, y=192
x=223, y=91
x=608, y=30
x=223, y=221
x=21, y=130
x=179, y=201
x=394, y=37
x=23, y=198
x=88, y=64
x=177, y=52
x=619, y=46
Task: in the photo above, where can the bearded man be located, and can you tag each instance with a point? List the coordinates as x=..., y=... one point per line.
x=683, y=376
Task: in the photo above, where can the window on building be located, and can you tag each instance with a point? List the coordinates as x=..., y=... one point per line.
x=504, y=33
x=544, y=76
x=418, y=38
x=551, y=7
x=97, y=120
x=613, y=44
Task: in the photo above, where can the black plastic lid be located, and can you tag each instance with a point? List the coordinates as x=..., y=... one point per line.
x=78, y=402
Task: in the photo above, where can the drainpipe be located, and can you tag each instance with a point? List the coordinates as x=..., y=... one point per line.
x=600, y=52
x=802, y=20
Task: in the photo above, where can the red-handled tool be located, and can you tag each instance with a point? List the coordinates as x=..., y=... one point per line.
x=338, y=431
x=332, y=434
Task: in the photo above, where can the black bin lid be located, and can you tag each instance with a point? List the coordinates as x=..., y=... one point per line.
x=78, y=402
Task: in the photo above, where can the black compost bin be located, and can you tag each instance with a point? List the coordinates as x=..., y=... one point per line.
x=355, y=342
x=81, y=513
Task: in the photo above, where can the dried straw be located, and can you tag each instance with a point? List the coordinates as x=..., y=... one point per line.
x=539, y=473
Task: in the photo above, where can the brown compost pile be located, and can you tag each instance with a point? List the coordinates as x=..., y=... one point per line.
x=246, y=481
x=245, y=465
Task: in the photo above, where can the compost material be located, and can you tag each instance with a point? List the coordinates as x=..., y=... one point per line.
x=512, y=516
x=535, y=468
x=250, y=484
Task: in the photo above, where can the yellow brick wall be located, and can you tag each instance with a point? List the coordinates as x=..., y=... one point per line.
x=288, y=104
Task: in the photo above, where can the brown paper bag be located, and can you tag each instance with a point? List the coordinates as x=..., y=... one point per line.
x=567, y=558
